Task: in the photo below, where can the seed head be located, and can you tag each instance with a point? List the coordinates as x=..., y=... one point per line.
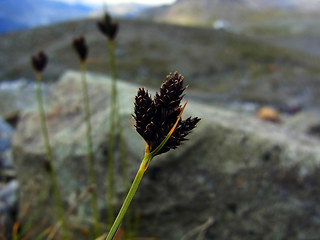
x=156, y=117
x=108, y=27
x=39, y=61
x=80, y=46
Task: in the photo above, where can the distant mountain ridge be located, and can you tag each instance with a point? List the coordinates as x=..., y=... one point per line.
x=206, y=11
x=262, y=4
x=21, y=14
x=123, y=10
x=296, y=5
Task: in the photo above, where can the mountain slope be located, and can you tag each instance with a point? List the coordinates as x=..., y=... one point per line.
x=206, y=11
x=288, y=23
x=221, y=66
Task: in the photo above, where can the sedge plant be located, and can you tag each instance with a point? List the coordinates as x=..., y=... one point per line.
x=39, y=63
x=81, y=48
x=159, y=123
x=110, y=29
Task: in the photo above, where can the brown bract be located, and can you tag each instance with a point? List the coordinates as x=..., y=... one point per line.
x=80, y=46
x=156, y=117
x=39, y=61
x=108, y=27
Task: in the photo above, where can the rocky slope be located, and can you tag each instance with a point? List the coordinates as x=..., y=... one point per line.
x=238, y=177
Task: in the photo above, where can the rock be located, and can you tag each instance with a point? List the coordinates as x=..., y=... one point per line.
x=6, y=163
x=305, y=122
x=256, y=179
x=5, y=134
x=16, y=96
x=8, y=207
x=8, y=186
x=314, y=130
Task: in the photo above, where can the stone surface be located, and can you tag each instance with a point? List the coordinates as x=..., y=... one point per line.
x=5, y=143
x=15, y=96
x=8, y=186
x=8, y=207
x=248, y=178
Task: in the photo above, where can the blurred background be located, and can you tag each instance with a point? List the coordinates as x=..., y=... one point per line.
x=253, y=71
x=249, y=51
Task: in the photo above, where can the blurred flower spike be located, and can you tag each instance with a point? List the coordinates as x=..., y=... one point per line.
x=108, y=27
x=39, y=61
x=80, y=46
x=158, y=120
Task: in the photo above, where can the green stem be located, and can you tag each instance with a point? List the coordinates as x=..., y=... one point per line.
x=112, y=59
x=53, y=175
x=143, y=167
x=111, y=145
x=92, y=180
x=125, y=178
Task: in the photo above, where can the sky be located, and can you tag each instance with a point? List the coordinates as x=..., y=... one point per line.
x=101, y=2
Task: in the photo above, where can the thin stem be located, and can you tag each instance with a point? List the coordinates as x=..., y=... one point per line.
x=92, y=179
x=47, y=145
x=111, y=145
x=143, y=167
x=112, y=59
x=123, y=158
x=125, y=176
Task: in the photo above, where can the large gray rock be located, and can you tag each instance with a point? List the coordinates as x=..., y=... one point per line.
x=238, y=177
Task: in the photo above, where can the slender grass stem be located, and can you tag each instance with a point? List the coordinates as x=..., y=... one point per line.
x=92, y=179
x=125, y=178
x=143, y=167
x=122, y=145
x=115, y=130
x=111, y=145
x=48, y=149
x=112, y=59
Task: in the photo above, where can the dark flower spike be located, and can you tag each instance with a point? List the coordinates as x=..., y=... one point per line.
x=108, y=27
x=80, y=46
x=158, y=121
x=39, y=61
x=158, y=150
x=144, y=109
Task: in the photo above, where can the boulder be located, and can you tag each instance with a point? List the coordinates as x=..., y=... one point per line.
x=16, y=96
x=238, y=177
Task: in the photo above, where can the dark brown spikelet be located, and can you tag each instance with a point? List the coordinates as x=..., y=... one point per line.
x=80, y=46
x=39, y=61
x=155, y=118
x=180, y=133
x=170, y=91
x=108, y=27
x=144, y=113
